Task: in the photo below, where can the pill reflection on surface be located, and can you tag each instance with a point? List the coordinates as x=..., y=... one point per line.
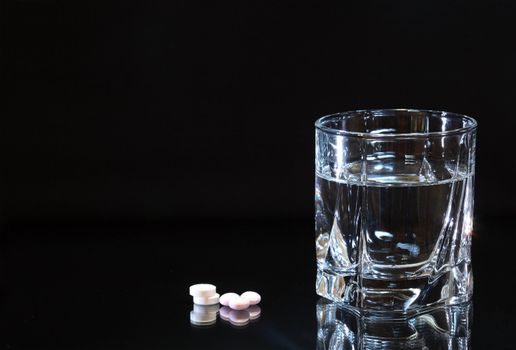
x=202, y=319
x=206, y=308
x=224, y=313
x=254, y=312
x=239, y=317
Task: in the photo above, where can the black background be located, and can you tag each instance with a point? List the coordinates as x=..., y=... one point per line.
x=166, y=110
x=138, y=136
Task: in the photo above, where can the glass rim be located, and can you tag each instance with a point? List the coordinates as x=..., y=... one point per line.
x=472, y=124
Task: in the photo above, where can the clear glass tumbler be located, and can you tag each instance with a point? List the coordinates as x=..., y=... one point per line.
x=394, y=208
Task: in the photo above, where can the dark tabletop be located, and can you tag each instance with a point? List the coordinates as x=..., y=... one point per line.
x=126, y=287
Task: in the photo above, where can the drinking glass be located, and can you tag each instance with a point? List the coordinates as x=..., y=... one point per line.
x=394, y=208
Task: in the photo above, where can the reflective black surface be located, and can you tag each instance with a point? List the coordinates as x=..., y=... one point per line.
x=127, y=288
x=152, y=111
x=446, y=327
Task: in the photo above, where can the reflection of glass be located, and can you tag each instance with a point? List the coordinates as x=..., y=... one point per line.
x=394, y=208
x=438, y=329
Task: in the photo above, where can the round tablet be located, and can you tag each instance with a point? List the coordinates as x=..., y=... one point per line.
x=254, y=312
x=239, y=317
x=225, y=298
x=253, y=297
x=224, y=313
x=214, y=299
x=239, y=303
x=203, y=290
x=202, y=319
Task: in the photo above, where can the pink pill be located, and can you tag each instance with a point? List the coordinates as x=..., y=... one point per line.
x=253, y=297
x=225, y=298
x=239, y=303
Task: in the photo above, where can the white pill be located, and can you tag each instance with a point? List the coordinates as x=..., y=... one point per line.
x=254, y=312
x=202, y=319
x=253, y=297
x=214, y=299
x=224, y=313
x=239, y=317
x=225, y=298
x=239, y=303
x=204, y=309
x=203, y=290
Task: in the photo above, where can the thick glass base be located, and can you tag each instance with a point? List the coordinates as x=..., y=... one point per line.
x=407, y=295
